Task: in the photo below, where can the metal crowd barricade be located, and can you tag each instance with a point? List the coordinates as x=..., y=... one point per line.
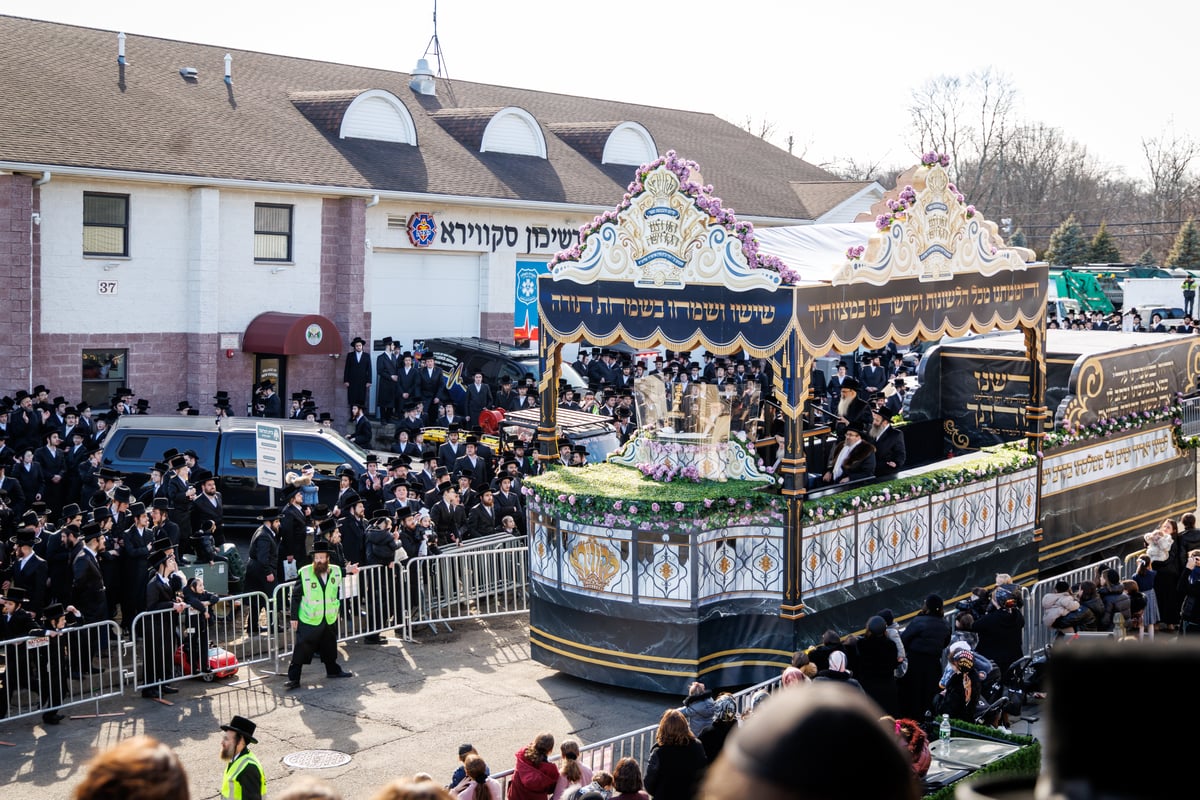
x=1037, y=635
x=277, y=620
x=605, y=754
x=229, y=636
x=487, y=581
x=160, y=654
x=73, y=666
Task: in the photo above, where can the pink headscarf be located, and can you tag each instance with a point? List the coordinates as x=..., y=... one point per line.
x=837, y=661
x=794, y=675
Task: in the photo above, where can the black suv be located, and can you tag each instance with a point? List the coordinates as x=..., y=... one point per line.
x=229, y=451
x=459, y=357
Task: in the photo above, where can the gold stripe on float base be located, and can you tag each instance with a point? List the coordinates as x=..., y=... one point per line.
x=612, y=664
x=686, y=661
x=659, y=659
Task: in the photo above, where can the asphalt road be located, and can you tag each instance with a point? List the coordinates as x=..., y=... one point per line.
x=406, y=710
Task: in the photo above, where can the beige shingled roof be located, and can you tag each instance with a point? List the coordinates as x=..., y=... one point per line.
x=64, y=101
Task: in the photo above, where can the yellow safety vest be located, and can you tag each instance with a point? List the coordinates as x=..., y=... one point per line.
x=229, y=782
x=317, y=602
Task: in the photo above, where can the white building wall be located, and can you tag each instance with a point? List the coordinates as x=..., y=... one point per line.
x=151, y=293
x=249, y=287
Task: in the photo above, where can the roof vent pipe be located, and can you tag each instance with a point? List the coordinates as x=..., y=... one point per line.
x=121, y=49
x=422, y=79
x=228, y=69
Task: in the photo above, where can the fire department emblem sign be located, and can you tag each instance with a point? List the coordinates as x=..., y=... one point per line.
x=422, y=229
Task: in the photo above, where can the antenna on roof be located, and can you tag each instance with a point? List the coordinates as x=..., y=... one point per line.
x=436, y=47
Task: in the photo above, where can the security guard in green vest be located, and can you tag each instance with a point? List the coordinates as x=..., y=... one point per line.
x=244, y=777
x=315, y=607
x=1189, y=294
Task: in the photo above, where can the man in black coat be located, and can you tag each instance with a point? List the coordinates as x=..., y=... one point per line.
x=262, y=564
x=135, y=563
x=356, y=374
x=889, y=445
x=479, y=398
x=508, y=502
x=452, y=449
x=874, y=376
x=850, y=408
x=387, y=375
x=161, y=525
x=352, y=522
x=407, y=390
x=12, y=488
x=208, y=505
x=30, y=572
x=448, y=516
x=88, y=592
x=471, y=463
x=182, y=494
x=484, y=519
x=293, y=530
x=54, y=471
x=159, y=630
x=363, y=433
x=431, y=386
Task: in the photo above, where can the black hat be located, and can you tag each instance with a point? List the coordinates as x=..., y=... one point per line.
x=243, y=727
x=849, y=383
x=53, y=612
x=16, y=594
x=268, y=514
x=349, y=500
x=221, y=395
x=108, y=474
x=297, y=396
x=448, y=487
x=429, y=455
x=290, y=492
x=857, y=427
x=202, y=475
x=41, y=388
x=357, y=340
x=184, y=405
x=101, y=513
x=372, y=458
x=21, y=395
x=403, y=512
x=579, y=449
x=26, y=536
x=135, y=509
x=122, y=494
x=71, y=510
x=481, y=488
x=441, y=472
x=325, y=416
x=933, y=602
x=29, y=519
x=161, y=503
x=90, y=531
x=624, y=412
x=158, y=557
x=178, y=462
x=159, y=466
x=319, y=512
x=40, y=507
x=382, y=513
x=327, y=525
x=161, y=545
x=143, y=403
x=169, y=453
x=207, y=528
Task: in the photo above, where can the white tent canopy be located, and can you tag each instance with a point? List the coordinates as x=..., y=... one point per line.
x=814, y=251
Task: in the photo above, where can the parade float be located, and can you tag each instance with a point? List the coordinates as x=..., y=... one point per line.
x=683, y=556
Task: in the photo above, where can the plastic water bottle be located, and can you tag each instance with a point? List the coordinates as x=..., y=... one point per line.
x=944, y=734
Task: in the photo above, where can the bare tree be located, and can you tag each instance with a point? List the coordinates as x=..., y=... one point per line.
x=1169, y=160
x=763, y=129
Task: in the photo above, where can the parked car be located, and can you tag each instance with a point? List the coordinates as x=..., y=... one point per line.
x=229, y=451
x=459, y=357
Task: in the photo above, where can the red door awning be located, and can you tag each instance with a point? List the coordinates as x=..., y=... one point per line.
x=282, y=334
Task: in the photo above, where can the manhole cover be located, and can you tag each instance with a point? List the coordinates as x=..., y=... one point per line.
x=316, y=759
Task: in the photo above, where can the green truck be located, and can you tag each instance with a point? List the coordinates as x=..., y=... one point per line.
x=1081, y=287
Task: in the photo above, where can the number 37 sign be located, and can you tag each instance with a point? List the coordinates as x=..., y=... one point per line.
x=106, y=287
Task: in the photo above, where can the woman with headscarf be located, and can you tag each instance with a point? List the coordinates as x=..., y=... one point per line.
x=837, y=671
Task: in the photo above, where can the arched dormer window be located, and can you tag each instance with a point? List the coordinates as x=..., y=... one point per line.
x=629, y=144
x=378, y=114
x=513, y=130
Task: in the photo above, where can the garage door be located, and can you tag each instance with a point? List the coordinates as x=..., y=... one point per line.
x=422, y=295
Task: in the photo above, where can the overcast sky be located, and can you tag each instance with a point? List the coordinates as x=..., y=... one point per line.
x=836, y=76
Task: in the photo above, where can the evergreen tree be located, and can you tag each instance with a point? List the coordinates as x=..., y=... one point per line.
x=1018, y=239
x=1146, y=259
x=1104, y=248
x=1067, y=247
x=1185, y=253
